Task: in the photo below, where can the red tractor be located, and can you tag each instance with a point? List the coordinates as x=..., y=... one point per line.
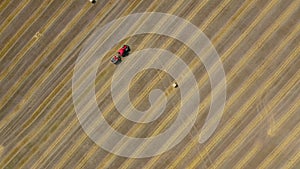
x=122, y=52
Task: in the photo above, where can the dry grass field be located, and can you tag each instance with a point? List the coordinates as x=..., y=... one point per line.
x=258, y=42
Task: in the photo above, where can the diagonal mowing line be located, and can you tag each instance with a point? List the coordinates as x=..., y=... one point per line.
x=32, y=67
x=12, y=41
x=237, y=143
x=292, y=136
x=58, y=88
x=195, y=141
x=260, y=69
x=246, y=106
x=245, y=159
x=13, y=15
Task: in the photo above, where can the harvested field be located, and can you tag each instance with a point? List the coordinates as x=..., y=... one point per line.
x=258, y=43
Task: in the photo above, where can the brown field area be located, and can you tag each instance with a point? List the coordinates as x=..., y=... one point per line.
x=258, y=42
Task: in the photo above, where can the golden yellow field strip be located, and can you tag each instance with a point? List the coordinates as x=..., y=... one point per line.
x=190, y=146
x=245, y=159
x=293, y=135
x=13, y=40
x=13, y=15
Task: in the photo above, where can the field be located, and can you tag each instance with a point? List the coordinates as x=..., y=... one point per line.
x=258, y=42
